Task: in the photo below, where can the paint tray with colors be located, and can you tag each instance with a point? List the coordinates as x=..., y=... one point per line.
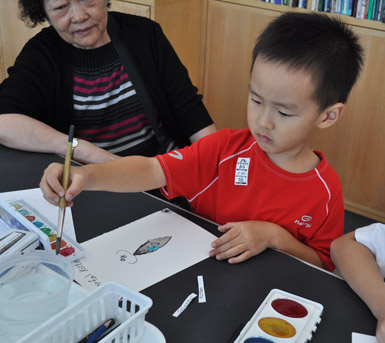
x=20, y=215
x=282, y=317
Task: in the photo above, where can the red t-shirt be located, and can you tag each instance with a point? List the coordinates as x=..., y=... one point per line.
x=226, y=177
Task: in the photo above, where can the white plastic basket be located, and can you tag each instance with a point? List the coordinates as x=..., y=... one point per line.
x=111, y=300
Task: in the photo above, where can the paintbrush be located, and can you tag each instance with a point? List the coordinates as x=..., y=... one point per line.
x=62, y=202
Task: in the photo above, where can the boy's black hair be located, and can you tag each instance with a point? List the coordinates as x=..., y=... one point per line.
x=32, y=11
x=319, y=45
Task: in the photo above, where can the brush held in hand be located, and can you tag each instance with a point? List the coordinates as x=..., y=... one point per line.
x=62, y=202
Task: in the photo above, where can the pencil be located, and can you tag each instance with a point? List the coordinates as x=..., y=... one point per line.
x=97, y=334
x=62, y=202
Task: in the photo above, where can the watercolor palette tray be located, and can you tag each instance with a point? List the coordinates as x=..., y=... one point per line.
x=20, y=215
x=282, y=317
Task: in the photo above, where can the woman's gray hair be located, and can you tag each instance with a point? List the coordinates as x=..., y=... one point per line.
x=32, y=11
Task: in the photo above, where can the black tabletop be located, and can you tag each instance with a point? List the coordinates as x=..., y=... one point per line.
x=234, y=292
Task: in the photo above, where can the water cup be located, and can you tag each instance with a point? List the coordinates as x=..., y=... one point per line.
x=34, y=286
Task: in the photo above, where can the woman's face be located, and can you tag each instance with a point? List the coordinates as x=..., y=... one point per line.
x=82, y=23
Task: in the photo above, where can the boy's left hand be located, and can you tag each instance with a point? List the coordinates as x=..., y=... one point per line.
x=243, y=240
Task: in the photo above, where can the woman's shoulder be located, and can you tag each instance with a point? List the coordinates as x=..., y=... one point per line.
x=45, y=45
x=47, y=38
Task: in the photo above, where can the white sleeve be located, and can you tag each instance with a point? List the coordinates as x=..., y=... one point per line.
x=373, y=237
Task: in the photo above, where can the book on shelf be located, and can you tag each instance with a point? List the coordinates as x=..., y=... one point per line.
x=302, y=3
x=351, y=7
x=337, y=5
x=363, y=9
x=378, y=10
x=370, y=9
x=314, y=5
x=358, y=9
x=327, y=6
x=383, y=14
x=333, y=6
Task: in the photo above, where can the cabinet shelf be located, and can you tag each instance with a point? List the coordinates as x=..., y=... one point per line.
x=371, y=24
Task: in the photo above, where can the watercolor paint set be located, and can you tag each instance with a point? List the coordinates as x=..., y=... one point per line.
x=14, y=240
x=282, y=317
x=21, y=216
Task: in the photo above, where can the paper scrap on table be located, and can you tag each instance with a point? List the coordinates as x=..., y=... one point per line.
x=201, y=290
x=187, y=302
x=34, y=198
x=362, y=338
x=143, y=252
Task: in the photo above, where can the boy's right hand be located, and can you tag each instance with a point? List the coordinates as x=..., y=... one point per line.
x=52, y=189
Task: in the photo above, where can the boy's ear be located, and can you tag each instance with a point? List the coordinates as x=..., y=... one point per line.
x=331, y=115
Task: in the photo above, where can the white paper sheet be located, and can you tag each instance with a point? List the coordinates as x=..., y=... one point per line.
x=361, y=338
x=110, y=257
x=34, y=198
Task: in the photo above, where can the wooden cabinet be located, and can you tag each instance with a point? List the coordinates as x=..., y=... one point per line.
x=13, y=35
x=355, y=146
x=132, y=8
x=181, y=20
x=231, y=34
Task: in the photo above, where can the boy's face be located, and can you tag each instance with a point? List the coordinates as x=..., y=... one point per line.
x=281, y=113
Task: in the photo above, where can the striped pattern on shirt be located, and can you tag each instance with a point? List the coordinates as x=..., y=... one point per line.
x=108, y=111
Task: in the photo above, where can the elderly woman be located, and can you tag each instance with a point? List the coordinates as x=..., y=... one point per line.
x=114, y=76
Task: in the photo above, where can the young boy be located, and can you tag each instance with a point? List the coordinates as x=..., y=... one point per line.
x=265, y=184
x=360, y=258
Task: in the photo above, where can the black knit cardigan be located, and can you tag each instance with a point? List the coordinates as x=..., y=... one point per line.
x=40, y=82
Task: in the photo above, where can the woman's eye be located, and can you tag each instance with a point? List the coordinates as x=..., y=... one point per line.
x=285, y=114
x=59, y=8
x=256, y=101
x=60, y=5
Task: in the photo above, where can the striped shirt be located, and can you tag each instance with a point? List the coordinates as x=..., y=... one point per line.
x=108, y=110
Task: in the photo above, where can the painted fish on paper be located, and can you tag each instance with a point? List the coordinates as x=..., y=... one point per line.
x=152, y=245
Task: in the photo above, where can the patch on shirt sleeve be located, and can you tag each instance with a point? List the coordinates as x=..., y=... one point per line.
x=176, y=154
x=242, y=171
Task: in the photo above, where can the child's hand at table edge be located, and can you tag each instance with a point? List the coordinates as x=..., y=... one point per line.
x=52, y=189
x=380, y=331
x=242, y=240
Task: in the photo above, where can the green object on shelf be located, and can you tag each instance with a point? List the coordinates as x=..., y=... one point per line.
x=370, y=9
